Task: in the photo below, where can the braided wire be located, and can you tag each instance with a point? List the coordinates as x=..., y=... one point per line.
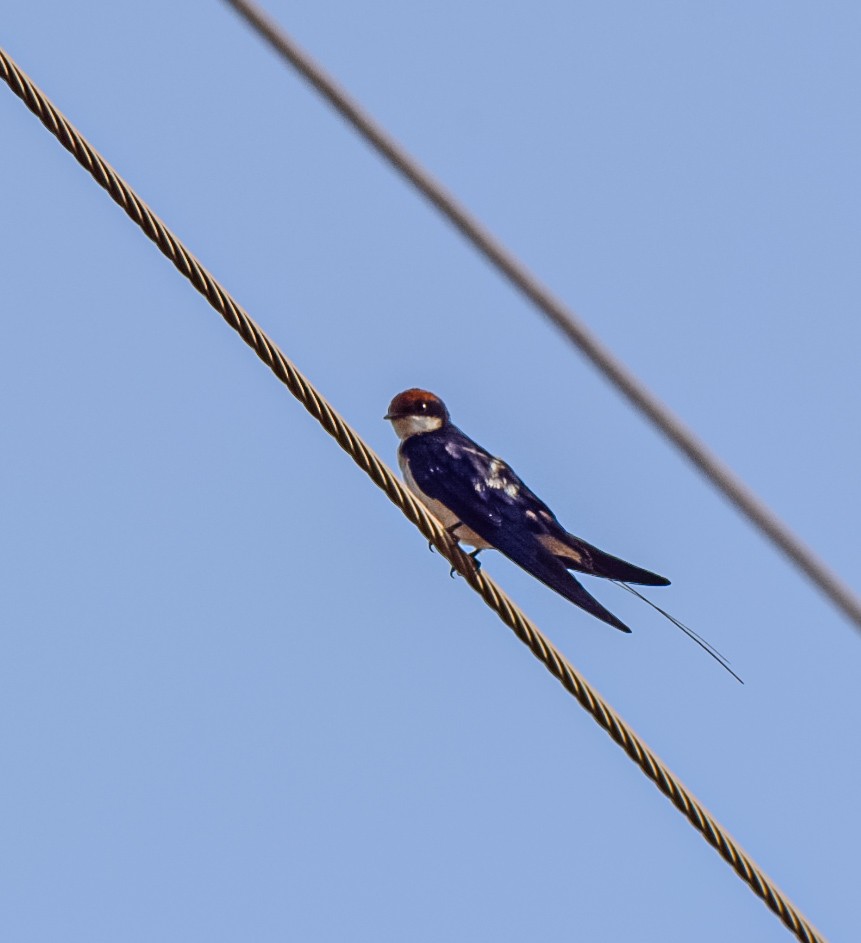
x=719, y=474
x=380, y=474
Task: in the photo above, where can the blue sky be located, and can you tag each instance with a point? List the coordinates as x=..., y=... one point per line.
x=238, y=697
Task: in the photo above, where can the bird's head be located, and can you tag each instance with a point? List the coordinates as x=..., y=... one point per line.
x=416, y=411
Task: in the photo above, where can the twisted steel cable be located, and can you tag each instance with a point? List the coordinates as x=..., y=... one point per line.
x=719, y=474
x=379, y=473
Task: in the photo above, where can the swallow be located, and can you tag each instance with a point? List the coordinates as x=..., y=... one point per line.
x=482, y=502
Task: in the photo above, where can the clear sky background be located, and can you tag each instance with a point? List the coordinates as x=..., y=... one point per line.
x=239, y=699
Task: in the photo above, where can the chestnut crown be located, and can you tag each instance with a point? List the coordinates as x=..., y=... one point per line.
x=417, y=403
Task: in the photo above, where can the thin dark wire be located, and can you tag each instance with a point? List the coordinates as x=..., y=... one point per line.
x=379, y=473
x=575, y=330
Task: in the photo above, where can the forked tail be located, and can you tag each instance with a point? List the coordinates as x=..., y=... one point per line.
x=703, y=644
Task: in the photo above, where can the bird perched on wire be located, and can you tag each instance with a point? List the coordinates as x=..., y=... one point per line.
x=482, y=502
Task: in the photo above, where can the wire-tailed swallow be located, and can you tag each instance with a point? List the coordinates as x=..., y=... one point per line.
x=483, y=503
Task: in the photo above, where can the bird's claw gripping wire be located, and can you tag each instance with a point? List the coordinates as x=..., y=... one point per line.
x=451, y=532
x=474, y=557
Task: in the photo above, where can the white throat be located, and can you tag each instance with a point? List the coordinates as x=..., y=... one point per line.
x=405, y=426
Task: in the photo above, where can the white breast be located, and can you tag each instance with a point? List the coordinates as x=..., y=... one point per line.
x=439, y=510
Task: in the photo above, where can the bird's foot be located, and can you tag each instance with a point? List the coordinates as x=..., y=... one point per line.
x=451, y=532
x=474, y=557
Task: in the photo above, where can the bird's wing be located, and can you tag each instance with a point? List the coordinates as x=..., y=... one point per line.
x=489, y=498
x=483, y=491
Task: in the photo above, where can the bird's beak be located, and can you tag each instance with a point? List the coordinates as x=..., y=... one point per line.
x=388, y=416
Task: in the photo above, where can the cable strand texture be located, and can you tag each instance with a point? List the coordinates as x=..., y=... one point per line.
x=379, y=473
x=553, y=308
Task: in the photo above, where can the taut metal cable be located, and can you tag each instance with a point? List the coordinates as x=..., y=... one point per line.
x=719, y=474
x=379, y=473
